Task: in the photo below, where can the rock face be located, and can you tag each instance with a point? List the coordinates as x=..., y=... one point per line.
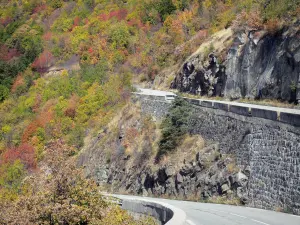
x=196, y=179
x=198, y=79
x=258, y=65
x=266, y=174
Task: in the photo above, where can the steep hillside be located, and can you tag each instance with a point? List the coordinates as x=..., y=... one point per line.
x=66, y=73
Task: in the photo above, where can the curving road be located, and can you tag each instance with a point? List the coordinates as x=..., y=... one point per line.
x=214, y=214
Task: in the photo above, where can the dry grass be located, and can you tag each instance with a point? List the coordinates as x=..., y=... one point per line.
x=219, y=41
x=224, y=200
x=164, y=79
x=187, y=151
x=269, y=102
x=232, y=168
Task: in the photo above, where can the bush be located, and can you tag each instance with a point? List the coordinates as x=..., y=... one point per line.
x=4, y=92
x=119, y=35
x=174, y=127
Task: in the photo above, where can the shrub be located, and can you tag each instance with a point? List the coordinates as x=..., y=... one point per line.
x=44, y=61
x=4, y=92
x=11, y=175
x=174, y=126
x=25, y=153
x=119, y=35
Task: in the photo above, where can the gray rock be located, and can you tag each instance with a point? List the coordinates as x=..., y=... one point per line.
x=170, y=171
x=240, y=179
x=225, y=188
x=259, y=65
x=179, y=178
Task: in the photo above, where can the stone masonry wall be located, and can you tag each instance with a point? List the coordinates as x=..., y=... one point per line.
x=270, y=151
x=152, y=105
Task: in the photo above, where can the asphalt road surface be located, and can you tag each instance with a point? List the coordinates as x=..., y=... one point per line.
x=214, y=214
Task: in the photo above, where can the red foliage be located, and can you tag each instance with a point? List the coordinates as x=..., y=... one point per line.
x=76, y=21
x=202, y=34
x=44, y=61
x=18, y=82
x=6, y=54
x=5, y=21
x=91, y=50
x=40, y=121
x=71, y=110
x=39, y=8
x=119, y=14
x=25, y=152
x=272, y=26
x=47, y=36
x=103, y=17
x=137, y=23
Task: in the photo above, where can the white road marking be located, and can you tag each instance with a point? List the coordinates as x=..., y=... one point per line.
x=259, y=222
x=238, y=215
x=190, y=222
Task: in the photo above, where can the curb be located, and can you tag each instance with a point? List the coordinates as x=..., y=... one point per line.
x=168, y=214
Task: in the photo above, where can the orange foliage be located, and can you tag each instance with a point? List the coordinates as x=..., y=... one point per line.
x=41, y=121
x=118, y=14
x=44, y=61
x=272, y=26
x=25, y=152
x=37, y=103
x=18, y=82
x=76, y=22
x=255, y=20
x=71, y=110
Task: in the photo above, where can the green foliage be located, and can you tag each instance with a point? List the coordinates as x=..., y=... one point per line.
x=76, y=137
x=63, y=23
x=174, y=126
x=10, y=179
x=4, y=92
x=155, y=9
x=119, y=35
x=56, y=3
x=278, y=8
x=165, y=8
x=95, y=73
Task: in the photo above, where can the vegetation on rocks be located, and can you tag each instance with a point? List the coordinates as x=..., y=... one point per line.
x=174, y=126
x=113, y=43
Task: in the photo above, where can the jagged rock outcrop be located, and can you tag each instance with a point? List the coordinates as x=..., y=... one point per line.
x=267, y=155
x=206, y=176
x=258, y=64
x=199, y=79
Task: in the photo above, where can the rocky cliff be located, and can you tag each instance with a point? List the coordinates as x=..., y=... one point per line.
x=230, y=157
x=258, y=64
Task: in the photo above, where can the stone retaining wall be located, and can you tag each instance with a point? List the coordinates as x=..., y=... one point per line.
x=266, y=144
